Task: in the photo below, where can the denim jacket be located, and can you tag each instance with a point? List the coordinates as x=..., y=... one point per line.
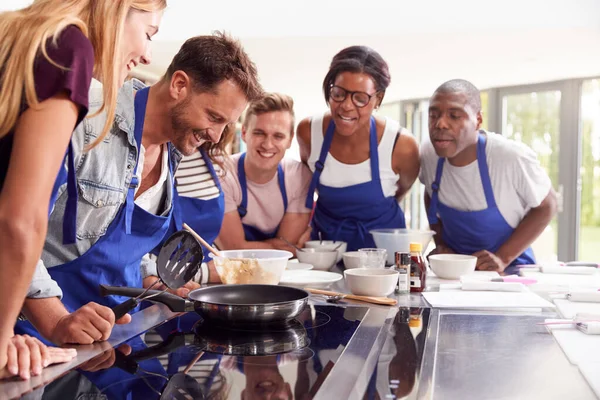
x=103, y=177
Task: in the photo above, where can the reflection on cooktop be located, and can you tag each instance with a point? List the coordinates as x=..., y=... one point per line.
x=399, y=364
x=188, y=358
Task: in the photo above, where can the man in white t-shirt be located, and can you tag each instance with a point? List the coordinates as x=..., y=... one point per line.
x=265, y=193
x=486, y=195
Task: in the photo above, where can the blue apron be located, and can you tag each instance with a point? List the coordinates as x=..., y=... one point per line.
x=252, y=233
x=203, y=216
x=115, y=258
x=467, y=232
x=348, y=213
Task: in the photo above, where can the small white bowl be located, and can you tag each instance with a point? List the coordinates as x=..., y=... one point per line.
x=330, y=245
x=452, y=266
x=298, y=266
x=351, y=259
x=371, y=281
x=320, y=258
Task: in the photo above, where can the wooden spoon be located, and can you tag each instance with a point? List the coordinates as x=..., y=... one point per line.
x=199, y=238
x=368, y=299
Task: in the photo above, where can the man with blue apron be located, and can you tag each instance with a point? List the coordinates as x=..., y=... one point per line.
x=348, y=213
x=118, y=224
x=459, y=147
x=105, y=262
x=264, y=192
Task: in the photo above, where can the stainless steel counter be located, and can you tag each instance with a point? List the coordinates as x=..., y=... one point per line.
x=464, y=355
x=495, y=356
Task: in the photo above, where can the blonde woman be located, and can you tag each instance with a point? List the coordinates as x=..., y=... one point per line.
x=49, y=53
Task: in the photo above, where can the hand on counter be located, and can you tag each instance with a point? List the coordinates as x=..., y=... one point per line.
x=90, y=323
x=181, y=292
x=488, y=261
x=27, y=356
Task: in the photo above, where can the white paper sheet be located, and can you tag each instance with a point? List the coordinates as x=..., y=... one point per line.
x=577, y=346
x=591, y=373
x=568, y=309
x=485, y=300
x=434, y=281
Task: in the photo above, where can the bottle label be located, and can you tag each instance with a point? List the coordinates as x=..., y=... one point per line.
x=403, y=282
x=415, y=282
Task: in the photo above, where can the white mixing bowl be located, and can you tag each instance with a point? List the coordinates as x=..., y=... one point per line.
x=238, y=266
x=452, y=266
x=371, y=281
x=394, y=240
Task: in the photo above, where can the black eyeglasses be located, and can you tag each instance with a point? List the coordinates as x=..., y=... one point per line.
x=359, y=99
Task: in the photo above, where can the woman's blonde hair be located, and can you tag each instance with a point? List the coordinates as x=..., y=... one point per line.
x=24, y=36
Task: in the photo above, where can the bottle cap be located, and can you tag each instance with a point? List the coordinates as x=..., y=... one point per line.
x=414, y=322
x=416, y=247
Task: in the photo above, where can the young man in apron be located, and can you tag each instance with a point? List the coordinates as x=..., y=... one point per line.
x=486, y=195
x=126, y=184
x=265, y=193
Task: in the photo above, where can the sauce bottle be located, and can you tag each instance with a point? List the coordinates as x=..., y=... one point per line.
x=418, y=268
x=403, y=268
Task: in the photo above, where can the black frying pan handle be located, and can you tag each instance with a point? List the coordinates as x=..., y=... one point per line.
x=125, y=307
x=175, y=303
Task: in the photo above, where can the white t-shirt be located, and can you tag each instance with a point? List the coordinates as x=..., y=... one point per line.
x=153, y=199
x=265, y=203
x=337, y=174
x=518, y=180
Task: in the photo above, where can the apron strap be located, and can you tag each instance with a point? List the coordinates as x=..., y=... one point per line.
x=281, y=178
x=141, y=100
x=211, y=168
x=373, y=153
x=242, y=208
x=484, y=172
x=320, y=164
x=435, y=187
x=70, y=217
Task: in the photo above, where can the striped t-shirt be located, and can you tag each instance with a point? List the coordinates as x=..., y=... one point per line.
x=193, y=178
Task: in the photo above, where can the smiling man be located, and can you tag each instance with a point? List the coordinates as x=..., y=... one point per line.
x=486, y=195
x=264, y=194
x=126, y=185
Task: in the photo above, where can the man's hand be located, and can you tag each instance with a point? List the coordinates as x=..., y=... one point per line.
x=305, y=237
x=92, y=322
x=488, y=261
x=181, y=292
x=27, y=356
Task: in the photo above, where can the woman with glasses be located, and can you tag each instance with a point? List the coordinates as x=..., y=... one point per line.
x=362, y=164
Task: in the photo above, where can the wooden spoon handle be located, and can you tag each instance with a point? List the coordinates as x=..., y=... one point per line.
x=369, y=299
x=199, y=238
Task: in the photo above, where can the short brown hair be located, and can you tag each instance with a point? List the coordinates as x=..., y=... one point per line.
x=209, y=60
x=270, y=102
x=212, y=59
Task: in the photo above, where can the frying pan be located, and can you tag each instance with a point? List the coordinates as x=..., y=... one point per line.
x=230, y=304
